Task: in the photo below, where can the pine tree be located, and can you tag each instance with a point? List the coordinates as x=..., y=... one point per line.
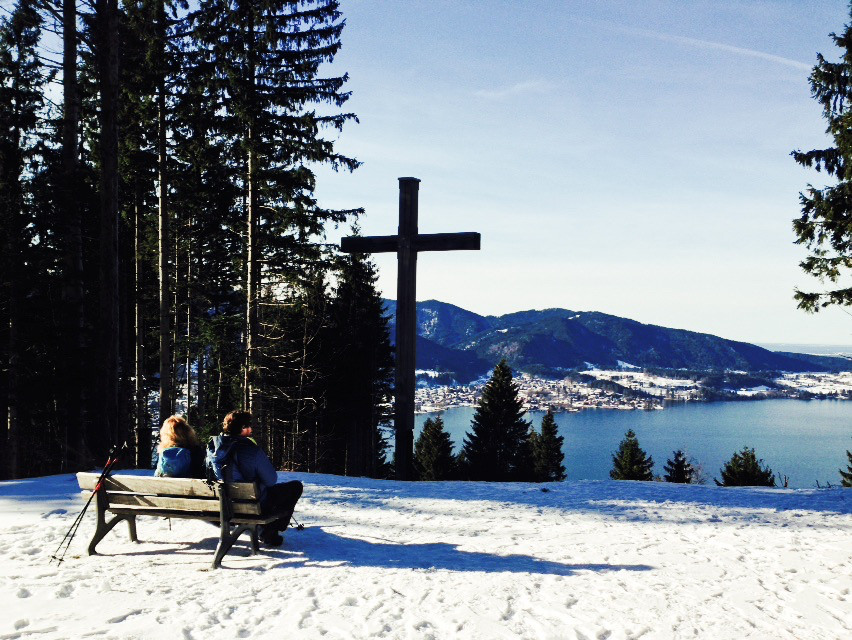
x=630, y=462
x=823, y=226
x=547, y=451
x=846, y=476
x=433, y=452
x=497, y=447
x=70, y=227
x=678, y=469
x=21, y=84
x=745, y=470
x=265, y=58
x=361, y=367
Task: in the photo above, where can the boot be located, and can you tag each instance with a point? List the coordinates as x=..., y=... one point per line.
x=269, y=537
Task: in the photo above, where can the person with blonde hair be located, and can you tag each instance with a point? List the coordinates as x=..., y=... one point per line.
x=180, y=453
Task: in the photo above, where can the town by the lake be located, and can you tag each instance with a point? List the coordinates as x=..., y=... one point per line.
x=632, y=390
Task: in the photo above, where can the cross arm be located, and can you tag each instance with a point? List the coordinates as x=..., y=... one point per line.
x=369, y=244
x=422, y=242
x=447, y=241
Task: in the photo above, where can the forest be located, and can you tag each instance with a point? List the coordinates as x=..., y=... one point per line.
x=163, y=245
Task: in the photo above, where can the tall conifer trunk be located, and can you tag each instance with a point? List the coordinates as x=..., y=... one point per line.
x=188, y=350
x=252, y=395
x=143, y=431
x=11, y=202
x=252, y=276
x=75, y=388
x=108, y=425
x=166, y=391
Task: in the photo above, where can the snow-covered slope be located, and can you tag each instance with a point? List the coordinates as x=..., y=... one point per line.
x=447, y=560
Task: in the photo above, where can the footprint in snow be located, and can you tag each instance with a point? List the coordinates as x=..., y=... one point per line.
x=65, y=591
x=20, y=624
x=124, y=616
x=23, y=593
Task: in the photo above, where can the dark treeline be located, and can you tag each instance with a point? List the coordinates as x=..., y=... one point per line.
x=163, y=241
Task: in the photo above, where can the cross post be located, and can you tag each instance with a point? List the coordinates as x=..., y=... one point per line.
x=407, y=243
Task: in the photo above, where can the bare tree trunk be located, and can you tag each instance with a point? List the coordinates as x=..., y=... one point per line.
x=219, y=384
x=188, y=363
x=253, y=399
x=75, y=455
x=166, y=394
x=109, y=430
x=12, y=364
x=201, y=383
x=143, y=429
x=174, y=307
x=252, y=273
x=13, y=367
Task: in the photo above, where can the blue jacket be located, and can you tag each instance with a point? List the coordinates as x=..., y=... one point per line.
x=242, y=460
x=181, y=462
x=174, y=462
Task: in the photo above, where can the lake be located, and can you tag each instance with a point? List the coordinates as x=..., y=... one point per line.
x=804, y=440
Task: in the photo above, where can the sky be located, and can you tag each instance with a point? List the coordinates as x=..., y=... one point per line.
x=630, y=158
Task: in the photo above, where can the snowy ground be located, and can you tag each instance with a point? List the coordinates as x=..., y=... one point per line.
x=447, y=560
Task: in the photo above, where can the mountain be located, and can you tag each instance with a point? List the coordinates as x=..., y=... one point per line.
x=465, y=345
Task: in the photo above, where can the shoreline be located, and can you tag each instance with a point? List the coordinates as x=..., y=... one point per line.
x=616, y=390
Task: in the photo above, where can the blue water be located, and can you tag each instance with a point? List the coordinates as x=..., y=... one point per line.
x=804, y=440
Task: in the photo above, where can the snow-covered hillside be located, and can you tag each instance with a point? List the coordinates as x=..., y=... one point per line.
x=446, y=560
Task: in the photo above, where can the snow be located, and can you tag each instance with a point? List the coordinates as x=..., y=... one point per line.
x=752, y=391
x=382, y=559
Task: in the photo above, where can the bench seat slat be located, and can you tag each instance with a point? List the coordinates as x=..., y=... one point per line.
x=179, y=504
x=191, y=515
x=189, y=487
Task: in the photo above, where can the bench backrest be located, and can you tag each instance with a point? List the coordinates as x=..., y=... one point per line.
x=147, y=494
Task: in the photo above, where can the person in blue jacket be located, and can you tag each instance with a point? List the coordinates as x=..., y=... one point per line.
x=234, y=457
x=180, y=453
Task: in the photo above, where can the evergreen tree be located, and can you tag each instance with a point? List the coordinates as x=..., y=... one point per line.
x=547, y=451
x=745, y=470
x=824, y=225
x=264, y=69
x=497, y=447
x=846, y=476
x=630, y=462
x=361, y=367
x=433, y=452
x=22, y=78
x=678, y=469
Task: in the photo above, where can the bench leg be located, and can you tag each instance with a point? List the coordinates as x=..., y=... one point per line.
x=227, y=538
x=225, y=544
x=255, y=544
x=104, y=528
x=131, y=526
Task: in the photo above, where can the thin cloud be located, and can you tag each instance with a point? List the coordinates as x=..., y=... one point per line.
x=707, y=44
x=531, y=86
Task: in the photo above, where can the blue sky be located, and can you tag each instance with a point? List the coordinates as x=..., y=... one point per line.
x=624, y=157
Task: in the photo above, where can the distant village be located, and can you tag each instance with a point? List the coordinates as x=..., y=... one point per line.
x=629, y=390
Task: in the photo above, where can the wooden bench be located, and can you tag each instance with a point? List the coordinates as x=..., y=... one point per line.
x=234, y=506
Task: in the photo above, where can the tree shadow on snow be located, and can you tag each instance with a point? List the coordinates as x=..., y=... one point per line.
x=316, y=547
x=622, y=500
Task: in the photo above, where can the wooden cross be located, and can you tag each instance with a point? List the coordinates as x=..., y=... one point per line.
x=407, y=243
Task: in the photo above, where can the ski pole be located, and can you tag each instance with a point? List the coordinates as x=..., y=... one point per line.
x=113, y=457
x=72, y=531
